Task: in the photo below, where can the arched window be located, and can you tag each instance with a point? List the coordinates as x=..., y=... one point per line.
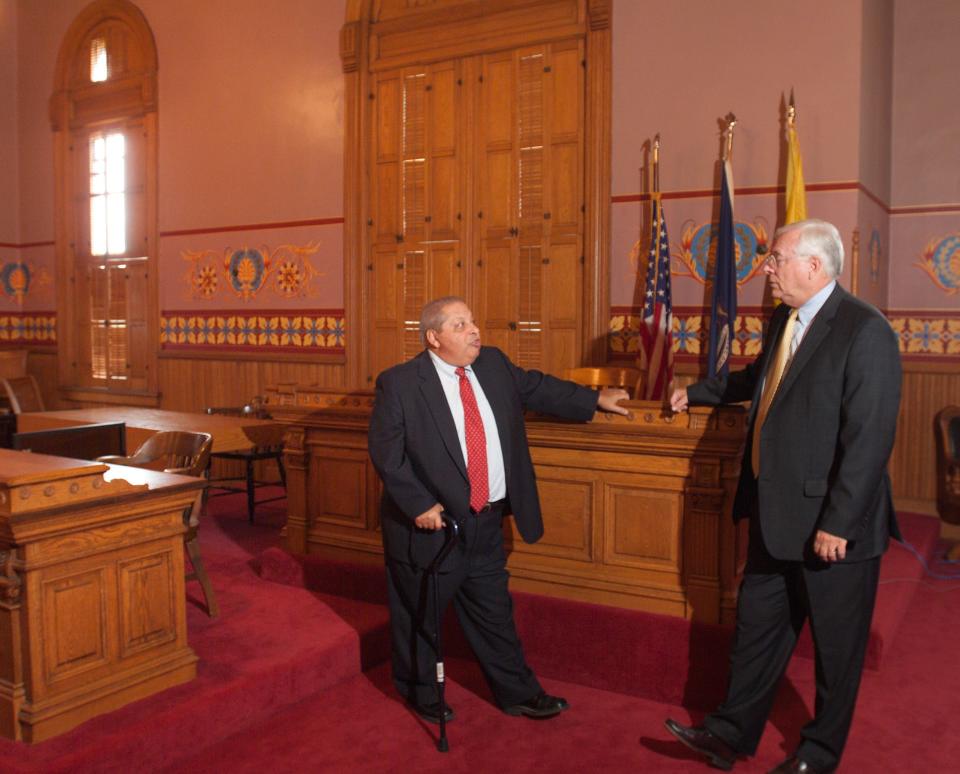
x=104, y=116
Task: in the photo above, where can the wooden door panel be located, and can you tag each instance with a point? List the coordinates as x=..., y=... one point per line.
x=444, y=196
x=444, y=108
x=565, y=194
x=446, y=272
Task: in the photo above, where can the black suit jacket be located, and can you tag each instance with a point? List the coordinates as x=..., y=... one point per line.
x=828, y=433
x=414, y=446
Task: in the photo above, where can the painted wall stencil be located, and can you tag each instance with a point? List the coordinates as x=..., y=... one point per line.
x=941, y=261
x=19, y=278
x=244, y=272
x=698, y=249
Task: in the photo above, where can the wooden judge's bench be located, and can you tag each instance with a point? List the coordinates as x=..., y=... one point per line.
x=636, y=509
x=92, y=601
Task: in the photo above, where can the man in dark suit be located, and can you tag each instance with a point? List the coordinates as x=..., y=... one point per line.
x=825, y=395
x=447, y=437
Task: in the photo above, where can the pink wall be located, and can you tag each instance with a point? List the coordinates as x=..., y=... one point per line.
x=679, y=67
x=926, y=157
x=250, y=133
x=875, y=104
x=9, y=168
x=926, y=112
x=251, y=101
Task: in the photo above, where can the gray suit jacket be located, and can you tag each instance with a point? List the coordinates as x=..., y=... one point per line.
x=414, y=446
x=828, y=434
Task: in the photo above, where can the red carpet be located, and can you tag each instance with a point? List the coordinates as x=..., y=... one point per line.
x=281, y=687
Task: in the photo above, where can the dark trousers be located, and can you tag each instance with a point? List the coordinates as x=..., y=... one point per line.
x=477, y=585
x=775, y=599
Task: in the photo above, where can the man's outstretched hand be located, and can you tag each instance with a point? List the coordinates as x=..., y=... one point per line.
x=609, y=399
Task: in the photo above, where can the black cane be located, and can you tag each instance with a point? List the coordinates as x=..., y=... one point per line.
x=452, y=529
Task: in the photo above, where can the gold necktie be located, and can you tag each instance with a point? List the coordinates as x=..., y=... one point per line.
x=770, y=385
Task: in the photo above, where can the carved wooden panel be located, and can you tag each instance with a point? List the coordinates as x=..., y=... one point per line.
x=147, y=602
x=625, y=522
x=339, y=479
x=642, y=526
x=569, y=496
x=74, y=624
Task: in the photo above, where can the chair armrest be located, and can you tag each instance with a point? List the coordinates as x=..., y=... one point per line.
x=115, y=459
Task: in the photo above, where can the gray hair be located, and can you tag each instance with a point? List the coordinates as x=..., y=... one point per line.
x=817, y=238
x=432, y=316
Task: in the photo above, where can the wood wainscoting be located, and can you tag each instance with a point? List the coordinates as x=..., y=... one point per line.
x=636, y=509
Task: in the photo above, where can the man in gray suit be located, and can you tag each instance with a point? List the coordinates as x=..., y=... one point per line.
x=825, y=395
x=447, y=437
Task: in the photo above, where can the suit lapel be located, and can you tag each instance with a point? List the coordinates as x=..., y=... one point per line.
x=812, y=339
x=499, y=403
x=436, y=401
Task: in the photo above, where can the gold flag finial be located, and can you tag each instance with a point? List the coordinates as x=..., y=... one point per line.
x=731, y=120
x=656, y=163
x=791, y=111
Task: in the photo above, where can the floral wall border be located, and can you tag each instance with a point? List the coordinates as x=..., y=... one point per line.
x=925, y=336
x=315, y=330
x=33, y=328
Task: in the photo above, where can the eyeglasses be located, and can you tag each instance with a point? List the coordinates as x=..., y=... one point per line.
x=777, y=260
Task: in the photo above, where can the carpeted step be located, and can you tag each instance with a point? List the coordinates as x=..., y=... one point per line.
x=271, y=646
x=659, y=657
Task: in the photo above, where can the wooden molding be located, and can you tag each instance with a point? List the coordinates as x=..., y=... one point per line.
x=350, y=46
x=600, y=14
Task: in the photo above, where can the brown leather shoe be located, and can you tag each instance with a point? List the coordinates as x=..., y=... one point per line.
x=793, y=765
x=699, y=739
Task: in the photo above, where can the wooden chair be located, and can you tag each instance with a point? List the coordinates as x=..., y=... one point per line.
x=189, y=455
x=249, y=458
x=629, y=379
x=947, y=430
x=23, y=393
x=13, y=363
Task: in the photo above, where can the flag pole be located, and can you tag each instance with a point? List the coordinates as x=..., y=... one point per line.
x=731, y=120
x=655, y=188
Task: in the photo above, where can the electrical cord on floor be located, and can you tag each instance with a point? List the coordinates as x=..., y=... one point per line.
x=928, y=573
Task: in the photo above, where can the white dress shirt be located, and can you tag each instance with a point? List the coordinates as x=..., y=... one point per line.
x=451, y=388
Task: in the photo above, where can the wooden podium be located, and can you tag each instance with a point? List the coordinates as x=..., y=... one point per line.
x=92, y=602
x=636, y=509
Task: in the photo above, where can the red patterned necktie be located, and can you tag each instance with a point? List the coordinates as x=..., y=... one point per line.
x=476, y=444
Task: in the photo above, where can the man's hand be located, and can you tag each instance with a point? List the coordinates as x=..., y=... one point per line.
x=610, y=397
x=829, y=548
x=679, y=401
x=430, y=519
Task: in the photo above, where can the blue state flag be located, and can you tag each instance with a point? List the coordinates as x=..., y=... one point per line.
x=723, y=312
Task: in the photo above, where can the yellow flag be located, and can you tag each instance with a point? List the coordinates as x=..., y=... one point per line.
x=796, y=193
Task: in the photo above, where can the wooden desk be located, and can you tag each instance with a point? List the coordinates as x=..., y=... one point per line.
x=636, y=511
x=92, y=600
x=229, y=433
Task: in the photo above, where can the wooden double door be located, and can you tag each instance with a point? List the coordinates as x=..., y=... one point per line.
x=477, y=190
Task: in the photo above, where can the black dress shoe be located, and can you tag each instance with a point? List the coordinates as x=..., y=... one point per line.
x=793, y=765
x=699, y=739
x=431, y=712
x=543, y=705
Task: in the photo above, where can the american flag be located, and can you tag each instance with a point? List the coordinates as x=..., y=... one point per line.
x=656, y=333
